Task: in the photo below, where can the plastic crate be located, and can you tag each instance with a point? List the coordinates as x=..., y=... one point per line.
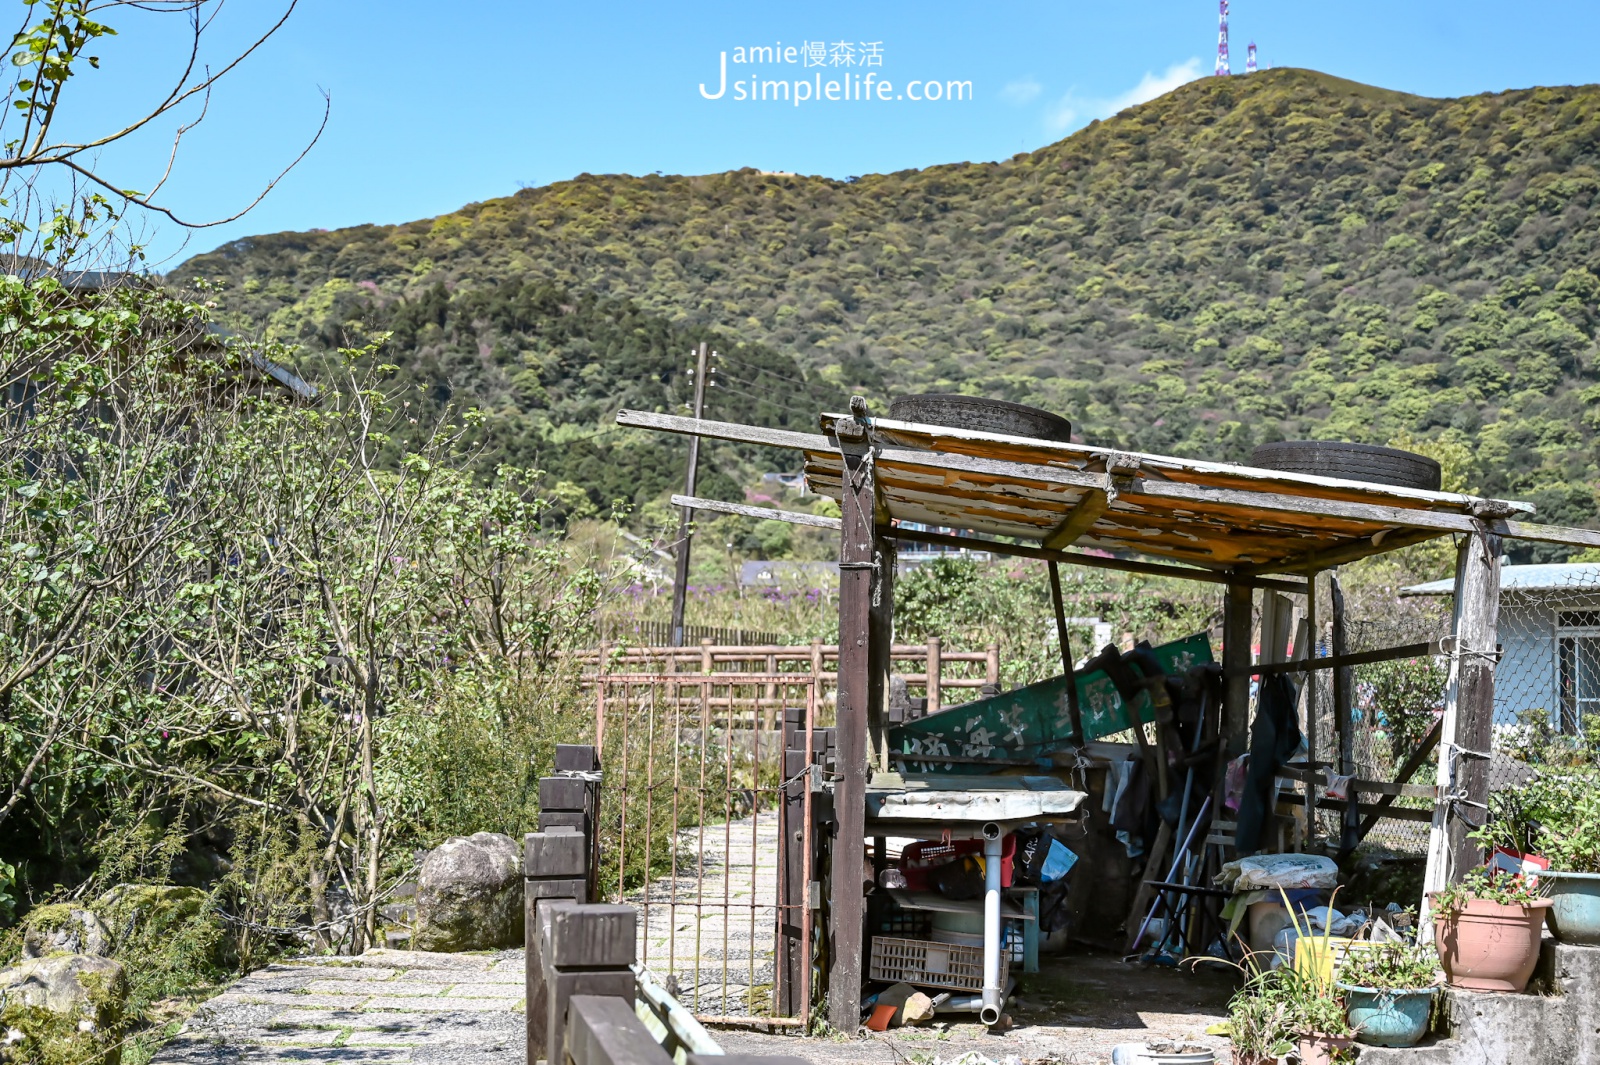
x=945, y=966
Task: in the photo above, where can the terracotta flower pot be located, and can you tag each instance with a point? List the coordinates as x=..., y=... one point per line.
x=1322, y=1049
x=1490, y=947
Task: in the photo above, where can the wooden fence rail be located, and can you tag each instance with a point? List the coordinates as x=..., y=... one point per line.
x=818, y=659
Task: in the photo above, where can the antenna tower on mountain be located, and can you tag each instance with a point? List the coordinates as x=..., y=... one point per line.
x=1250, y=59
x=1223, y=70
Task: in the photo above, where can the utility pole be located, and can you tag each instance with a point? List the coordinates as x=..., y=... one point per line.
x=680, y=583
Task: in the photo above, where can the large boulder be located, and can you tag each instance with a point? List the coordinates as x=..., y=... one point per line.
x=62, y=928
x=145, y=911
x=469, y=894
x=67, y=1007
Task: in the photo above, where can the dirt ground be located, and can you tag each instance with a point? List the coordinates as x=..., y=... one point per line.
x=1074, y=1011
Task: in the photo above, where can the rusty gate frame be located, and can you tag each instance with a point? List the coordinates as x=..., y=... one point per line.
x=799, y=757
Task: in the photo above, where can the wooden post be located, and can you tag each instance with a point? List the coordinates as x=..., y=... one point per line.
x=1074, y=711
x=1313, y=634
x=991, y=673
x=935, y=673
x=860, y=569
x=1237, y=609
x=1344, y=680
x=791, y=882
x=554, y=870
x=586, y=950
x=880, y=647
x=1468, y=727
x=680, y=572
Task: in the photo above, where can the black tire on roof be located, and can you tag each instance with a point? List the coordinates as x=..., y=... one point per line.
x=1351, y=462
x=981, y=415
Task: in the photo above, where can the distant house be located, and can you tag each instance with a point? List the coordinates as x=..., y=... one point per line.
x=1549, y=642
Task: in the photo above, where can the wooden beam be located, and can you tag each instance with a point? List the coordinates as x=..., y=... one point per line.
x=1344, y=682
x=1078, y=520
x=1414, y=762
x=1548, y=534
x=978, y=543
x=816, y=521
x=1074, y=711
x=1389, y=789
x=1476, y=643
x=1367, y=809
x=1360, y=548
x=1075, y=558
x=1360, y=658
x=734, y=431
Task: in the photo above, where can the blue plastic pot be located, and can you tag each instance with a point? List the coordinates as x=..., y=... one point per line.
x=1574, y=906
x=1389, y=1018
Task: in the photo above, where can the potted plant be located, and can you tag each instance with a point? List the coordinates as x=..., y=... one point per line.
x=1486, y=929
x=1557, y=815
x=1389, y=990
x=1568, y=823
x=1285, y=1011
x=1259, y=1021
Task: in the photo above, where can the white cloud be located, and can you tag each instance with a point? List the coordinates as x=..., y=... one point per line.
x=1073, y=110
x=1021, y=92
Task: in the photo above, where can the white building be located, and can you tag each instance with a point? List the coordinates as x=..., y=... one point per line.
x=1549, y=641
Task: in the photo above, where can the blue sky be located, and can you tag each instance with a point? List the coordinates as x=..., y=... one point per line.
x=433, y=110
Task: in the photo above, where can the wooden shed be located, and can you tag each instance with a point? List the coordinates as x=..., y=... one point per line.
x=1247, y=529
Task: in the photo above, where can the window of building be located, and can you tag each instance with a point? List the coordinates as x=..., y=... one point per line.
x=1578, y=655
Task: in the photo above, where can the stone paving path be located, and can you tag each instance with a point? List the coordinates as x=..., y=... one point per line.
x=710, y=932
x=384, y=1006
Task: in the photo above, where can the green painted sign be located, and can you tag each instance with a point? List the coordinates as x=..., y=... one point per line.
x=1030, y=722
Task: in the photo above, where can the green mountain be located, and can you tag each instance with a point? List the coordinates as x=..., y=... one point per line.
x=1244, y=259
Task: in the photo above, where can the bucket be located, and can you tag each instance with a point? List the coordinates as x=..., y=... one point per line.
x=1317, y=956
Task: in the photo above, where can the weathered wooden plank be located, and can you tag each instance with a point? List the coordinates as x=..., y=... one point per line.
x=608, y=1031
x=1090, y=457
x=1387, y=513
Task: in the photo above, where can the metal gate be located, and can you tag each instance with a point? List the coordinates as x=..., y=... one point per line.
x=705, y=829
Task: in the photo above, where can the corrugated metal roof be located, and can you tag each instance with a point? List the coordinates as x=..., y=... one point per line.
x=1547, y=577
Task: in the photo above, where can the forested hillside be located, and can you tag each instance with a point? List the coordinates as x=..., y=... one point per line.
x=1279, y=255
